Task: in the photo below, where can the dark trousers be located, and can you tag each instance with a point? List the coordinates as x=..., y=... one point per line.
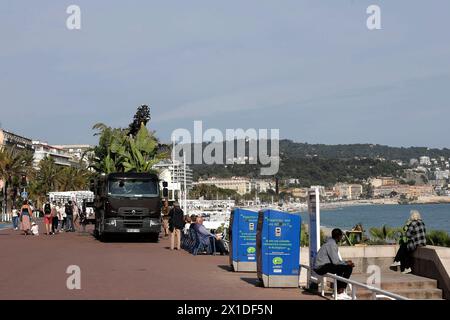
x=404, y=257
x=341, y=270
x=63, y=224
x=54, y=224
x=220, y=247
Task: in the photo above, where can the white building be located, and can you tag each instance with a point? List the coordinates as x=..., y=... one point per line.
x=425, y=161
x=76, y=151
x=241, y=185
x=43, y=149
x=173, y=173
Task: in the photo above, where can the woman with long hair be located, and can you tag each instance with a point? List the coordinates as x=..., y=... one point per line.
x=25, y=218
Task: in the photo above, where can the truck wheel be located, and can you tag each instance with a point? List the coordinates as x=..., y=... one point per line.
x=154, y=237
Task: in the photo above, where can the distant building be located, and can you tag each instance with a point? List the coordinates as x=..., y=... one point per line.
x=262, y=185
x=241, y=185
x=348, y=191
x=173, y=174
x=43, y=150
x=14, y=140
x=413, y=162
x=77, y=151
x=408, y=191
x=425, y=161
x=383, y=181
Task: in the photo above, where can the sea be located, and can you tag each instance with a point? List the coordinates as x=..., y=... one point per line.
x=435, y=216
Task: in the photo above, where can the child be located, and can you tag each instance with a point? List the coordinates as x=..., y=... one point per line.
x=34, y=229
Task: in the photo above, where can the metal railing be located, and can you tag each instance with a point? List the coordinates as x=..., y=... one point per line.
x=377, y=293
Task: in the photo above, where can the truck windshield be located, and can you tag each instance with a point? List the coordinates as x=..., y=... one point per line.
x=133, y=188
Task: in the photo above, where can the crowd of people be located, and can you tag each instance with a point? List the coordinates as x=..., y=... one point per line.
x=179, y=226
x=58, y=217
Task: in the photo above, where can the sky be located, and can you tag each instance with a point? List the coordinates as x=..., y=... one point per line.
x=310, y=68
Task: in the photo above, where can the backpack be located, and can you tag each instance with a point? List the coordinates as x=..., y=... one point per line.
x=69, y=210
x=47, y=208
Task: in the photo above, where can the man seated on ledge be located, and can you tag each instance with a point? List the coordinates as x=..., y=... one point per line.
x=328, y=260
x=207, y=237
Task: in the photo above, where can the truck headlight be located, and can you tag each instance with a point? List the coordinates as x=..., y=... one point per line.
x=111, y=222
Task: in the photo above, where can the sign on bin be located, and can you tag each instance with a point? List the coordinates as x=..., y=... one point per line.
x=242, y=235
x=278, y=248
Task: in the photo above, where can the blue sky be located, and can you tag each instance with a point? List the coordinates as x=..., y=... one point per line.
x=310, y=68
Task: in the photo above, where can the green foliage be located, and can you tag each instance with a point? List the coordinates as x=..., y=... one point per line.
x=438, y=238
x=385, y=234
x=142, y=117
x=119, y=151
x=304, y=236
x=13, y=165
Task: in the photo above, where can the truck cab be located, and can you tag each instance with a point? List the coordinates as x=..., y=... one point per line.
x=127, y=203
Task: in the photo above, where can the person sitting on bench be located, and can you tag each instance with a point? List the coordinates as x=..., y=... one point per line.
x=328, y=261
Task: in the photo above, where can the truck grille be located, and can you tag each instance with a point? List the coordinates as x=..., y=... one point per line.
x=133, y=211
x=132, y=224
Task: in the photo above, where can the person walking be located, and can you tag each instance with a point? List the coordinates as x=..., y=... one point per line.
x=25, y=218
x=69, y=214
x=165, y=217
x=47, y=218
x=54, y=214
x=176, y=224
x=328, y=260
x=61, y=212
x=15, y=218
x=414, y=237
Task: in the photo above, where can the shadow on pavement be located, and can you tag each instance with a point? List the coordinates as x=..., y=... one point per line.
x=226, y=267
x=254, y=281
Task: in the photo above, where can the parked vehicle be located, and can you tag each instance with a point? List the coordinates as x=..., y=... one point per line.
x=127, y=203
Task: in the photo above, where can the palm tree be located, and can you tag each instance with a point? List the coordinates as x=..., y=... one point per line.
x=14, y=165
x=71, y=178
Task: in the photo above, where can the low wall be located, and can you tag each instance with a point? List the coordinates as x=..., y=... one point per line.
x=434, y=262
x=362, y=257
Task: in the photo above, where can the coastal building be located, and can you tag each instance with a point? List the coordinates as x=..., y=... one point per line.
x=413, y=162
x=10, y=139
x=425, y=161
x=174, y=173
x=403, y=189
x=241, y=185
x=348, y=191
x=43, y=150
x=383, y=181
x=77, y=151
x=262, y=185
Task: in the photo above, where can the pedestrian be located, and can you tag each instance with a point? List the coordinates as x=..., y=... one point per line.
x=165, y=218
x=15, y=218
x=414, y=237
x=61, y=213
x=47, y=217
x=176, y=224
x=69, y=214
x=25, y=218
x=83, y=219
x=76, y=216
x=328, y=260
x=54, y=214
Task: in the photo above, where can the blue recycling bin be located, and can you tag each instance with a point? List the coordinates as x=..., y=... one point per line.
x=278, y=248
x=242, y=235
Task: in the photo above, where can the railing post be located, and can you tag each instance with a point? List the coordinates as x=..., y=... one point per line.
x=353, y=292
x=335, y=288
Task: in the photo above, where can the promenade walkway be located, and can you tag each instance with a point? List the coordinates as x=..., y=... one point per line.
x=35, y=268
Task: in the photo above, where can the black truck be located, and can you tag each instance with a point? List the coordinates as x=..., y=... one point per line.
x=127, y=204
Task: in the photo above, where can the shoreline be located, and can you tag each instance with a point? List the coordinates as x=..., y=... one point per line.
x=368, y=202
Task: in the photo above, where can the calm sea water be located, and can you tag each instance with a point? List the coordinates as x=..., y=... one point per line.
x=435, y=216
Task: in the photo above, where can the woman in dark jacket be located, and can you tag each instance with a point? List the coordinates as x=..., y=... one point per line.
x=415, y=236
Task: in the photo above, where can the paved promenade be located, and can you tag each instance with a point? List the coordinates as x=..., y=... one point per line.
x=35, y=268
